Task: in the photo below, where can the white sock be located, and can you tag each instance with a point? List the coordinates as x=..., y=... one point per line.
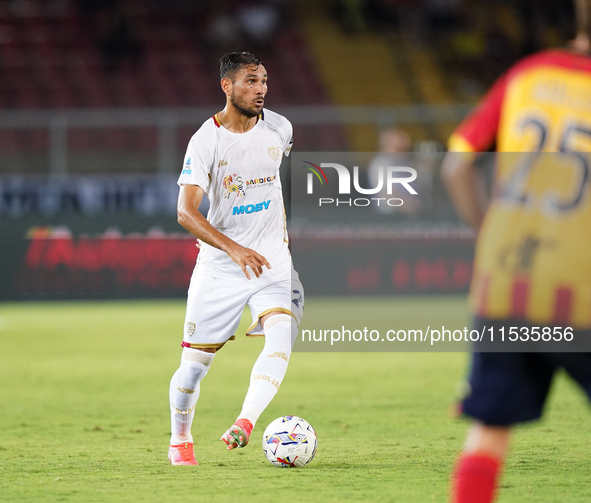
x=270, y=367
x=184, y=392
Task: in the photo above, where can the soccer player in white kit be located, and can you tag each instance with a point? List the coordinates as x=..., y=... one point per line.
x=244, y=259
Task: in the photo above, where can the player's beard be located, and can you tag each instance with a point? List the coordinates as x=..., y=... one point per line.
x=242, y=107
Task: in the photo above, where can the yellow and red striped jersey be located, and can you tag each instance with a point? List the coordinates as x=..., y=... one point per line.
x=533, y=254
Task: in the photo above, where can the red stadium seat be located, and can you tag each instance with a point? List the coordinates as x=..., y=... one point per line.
x=51, y=58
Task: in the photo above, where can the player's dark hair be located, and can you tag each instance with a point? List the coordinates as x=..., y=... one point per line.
x=233, y=61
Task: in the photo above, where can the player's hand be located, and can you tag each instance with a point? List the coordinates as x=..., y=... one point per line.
x=245, y=257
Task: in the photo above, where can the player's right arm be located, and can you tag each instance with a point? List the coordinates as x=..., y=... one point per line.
x=477, y=133
x=190, y=218
x=465, y=186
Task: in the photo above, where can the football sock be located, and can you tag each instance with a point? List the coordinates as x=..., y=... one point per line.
x=475, y=479
x=184, y=392
x=270, y=367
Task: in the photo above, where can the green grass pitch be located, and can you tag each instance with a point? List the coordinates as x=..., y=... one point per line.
x=84, y=414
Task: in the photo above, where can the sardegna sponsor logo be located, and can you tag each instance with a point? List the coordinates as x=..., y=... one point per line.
x=263, y=181
x=233, y=184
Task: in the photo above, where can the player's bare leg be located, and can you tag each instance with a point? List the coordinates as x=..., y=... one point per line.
x=477, y=471
x=184, y=393
x=265, y=379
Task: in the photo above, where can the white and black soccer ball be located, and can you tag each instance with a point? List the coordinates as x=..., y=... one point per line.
x=290, y=442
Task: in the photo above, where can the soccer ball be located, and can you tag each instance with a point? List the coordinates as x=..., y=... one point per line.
x=289, y=441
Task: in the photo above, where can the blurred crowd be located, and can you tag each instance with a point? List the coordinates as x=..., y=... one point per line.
x=222, y=25
x=477, y=39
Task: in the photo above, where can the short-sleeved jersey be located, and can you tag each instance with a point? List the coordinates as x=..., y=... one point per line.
x=240, y=175
x=533, y=258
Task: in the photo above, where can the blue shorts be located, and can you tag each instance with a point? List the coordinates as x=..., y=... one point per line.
x=509, y=388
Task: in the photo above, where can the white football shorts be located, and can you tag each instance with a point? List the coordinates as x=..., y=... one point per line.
x=215, y=305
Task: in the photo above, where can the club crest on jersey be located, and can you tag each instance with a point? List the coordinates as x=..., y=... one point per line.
x=189, y=329
x=233, y=185
x=274, y=152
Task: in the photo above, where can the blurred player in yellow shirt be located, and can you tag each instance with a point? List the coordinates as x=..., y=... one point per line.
x=533, y=264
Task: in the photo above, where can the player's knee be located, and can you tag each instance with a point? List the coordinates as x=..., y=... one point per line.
x=287, y=326
x=195, y=358
x=194, y=367
x=279, y=332
x=490, y=440
x=275, y=318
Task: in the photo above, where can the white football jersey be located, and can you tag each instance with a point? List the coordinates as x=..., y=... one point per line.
x=240, y=175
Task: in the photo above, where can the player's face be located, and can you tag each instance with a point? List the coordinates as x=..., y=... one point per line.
x=249, y=89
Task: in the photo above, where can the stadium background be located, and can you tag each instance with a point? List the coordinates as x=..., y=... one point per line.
x=98, y=100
